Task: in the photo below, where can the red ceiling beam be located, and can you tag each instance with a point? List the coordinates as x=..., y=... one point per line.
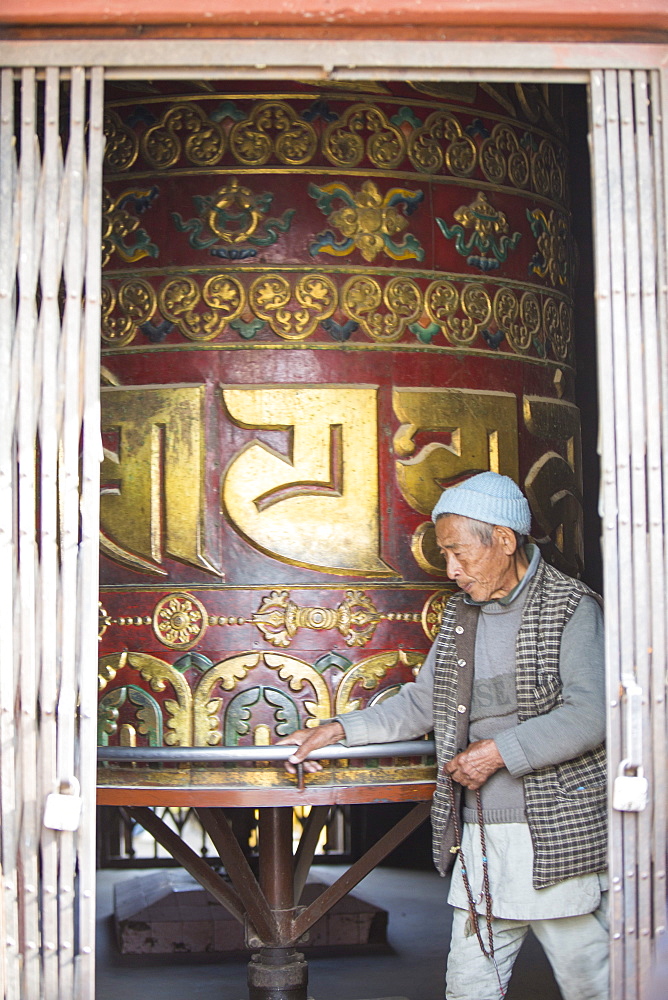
x=585, y=19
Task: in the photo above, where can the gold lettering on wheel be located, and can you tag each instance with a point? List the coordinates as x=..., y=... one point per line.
x=482, y=427
x=318, y=506
x=152, y=478
x=554, y=484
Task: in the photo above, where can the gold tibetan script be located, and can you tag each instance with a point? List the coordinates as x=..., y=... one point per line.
x=153, y=476
x=318, y=505
x=483, y=435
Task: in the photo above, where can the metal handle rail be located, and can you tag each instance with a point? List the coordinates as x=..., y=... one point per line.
x=225, y=755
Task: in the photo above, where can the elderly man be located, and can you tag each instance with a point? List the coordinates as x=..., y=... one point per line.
x=513, y=688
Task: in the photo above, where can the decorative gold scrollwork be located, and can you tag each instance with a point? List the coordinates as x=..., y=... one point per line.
x=519, y=321
x=432, y=612
x=530, y=314
x=369, y=673
x=122, y=146
x=297, y=673
x=270, y=298
x=108, y=666
x=562, y=336
x=476, y=306
x=548, y=172
x=180, y=297
x=204, y=145
x=252, y=141
x=344, y=146
x=425, y=146
x=506, y=316
x=442, y=302
x=502, y=156
x=279, y=618
x=136, y=302
x=227, y=673
x=361, y=296
x=159, y=674
x=558, y=337
x=554, y=259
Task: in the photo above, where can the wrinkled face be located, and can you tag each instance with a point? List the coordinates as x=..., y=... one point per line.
x=485, y=572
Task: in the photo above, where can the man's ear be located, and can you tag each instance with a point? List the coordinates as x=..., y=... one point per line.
x=507, y=538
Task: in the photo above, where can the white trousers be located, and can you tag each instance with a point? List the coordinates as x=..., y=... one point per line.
x=577, y=948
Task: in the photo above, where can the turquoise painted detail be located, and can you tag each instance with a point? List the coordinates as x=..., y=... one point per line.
x=227, y=109
x=148, y=713
x=320, y=109
x=464, y=246
x=339, y=331
x=405, y=114
x=424, y=333
x=107, y=714
x=249, y=329
x=286, y=714
x=528, y=141
x=488, y=237
x=332, y=659
x=193, y=661
x=272, y=227
x=238, y=715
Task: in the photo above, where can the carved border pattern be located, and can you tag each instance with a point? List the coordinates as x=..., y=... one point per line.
x=252, y=134
x=293, y=307
x=180, y=620
x=196, y=715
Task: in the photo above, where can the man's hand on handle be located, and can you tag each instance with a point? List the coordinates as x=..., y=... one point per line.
x=308, y=740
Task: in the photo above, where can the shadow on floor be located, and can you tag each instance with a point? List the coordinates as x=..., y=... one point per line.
x=418, y=932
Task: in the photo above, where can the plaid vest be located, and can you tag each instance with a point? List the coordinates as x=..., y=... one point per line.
x=565, y=803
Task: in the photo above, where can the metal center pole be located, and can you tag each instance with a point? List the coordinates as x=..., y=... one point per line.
x=277, y=972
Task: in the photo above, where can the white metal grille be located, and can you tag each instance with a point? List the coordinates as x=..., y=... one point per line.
x=50, y=211
x=630, y=241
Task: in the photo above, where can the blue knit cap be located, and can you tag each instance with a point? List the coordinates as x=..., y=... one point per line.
x=487, y=497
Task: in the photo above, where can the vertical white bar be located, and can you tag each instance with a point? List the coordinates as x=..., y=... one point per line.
x=634, y=126
x=603, y=105
x=8, y=812
x=657, y=369
x=70, y=407
x=87, y=650
x=625, y=418
x=27, y=554
x=651, y=643
x=48, y=527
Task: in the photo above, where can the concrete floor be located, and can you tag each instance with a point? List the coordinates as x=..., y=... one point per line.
x=418, y=932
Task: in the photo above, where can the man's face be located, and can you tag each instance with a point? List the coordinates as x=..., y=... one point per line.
x=485, y=572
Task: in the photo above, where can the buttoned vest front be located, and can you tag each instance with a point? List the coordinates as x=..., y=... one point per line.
x=565, y=803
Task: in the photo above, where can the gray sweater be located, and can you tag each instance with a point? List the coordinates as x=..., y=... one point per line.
x=575, y=726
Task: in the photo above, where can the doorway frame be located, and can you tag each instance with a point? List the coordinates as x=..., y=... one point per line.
x=628, y=154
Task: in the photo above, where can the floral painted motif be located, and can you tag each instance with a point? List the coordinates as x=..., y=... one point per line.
x=368, y=221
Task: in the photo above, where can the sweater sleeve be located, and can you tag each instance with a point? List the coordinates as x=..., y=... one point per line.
x=404, y=716
x=578, y=724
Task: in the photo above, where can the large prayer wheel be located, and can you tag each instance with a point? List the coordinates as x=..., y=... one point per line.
x=322, y=305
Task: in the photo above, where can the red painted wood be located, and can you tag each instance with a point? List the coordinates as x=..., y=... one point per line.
x=588, y=18
x=259, y=797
